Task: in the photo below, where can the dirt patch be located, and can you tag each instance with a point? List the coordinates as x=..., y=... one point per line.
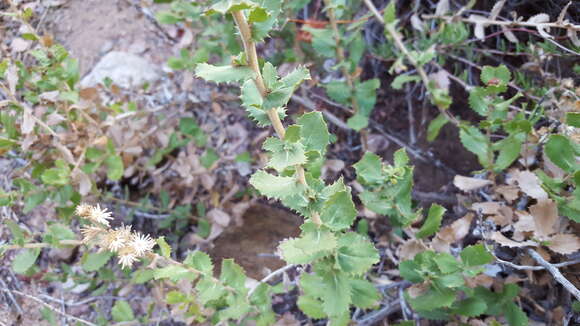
x=254, y=244
x=91, y=28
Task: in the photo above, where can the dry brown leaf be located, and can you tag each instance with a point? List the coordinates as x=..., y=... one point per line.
x=487, y=208
x=456, y=230
x=218, y=216
x=564, y=243
x=509, y=193
x=504, y=217
x=504, y=241
x=530, y=184
x=525, y=222
x=28, y=121
x=410, y=248
x=469, y=184
x=545, y=214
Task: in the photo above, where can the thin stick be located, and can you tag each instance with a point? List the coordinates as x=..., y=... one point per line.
x=252, y=56
x=44, y=244
x=555, y=272
x=48, y=306
x=269, y=277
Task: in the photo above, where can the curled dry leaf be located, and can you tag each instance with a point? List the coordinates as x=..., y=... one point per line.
x=479, y=29
x=509, y=35
x=28, y=121
x=456, y=230
x=506, y=242
x=504, y=217
x=564, y=243
x=469, y=184
x=540, y=19
x=525, y=222
x=530, y=184
x=219, y=217
x=545, y=214
x=487, y=208
x=411, y=248
x=442, y=8
x=509, y=193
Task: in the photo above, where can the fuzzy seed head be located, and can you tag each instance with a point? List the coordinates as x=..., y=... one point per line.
x=83, y=210
x=141, y=244
x=91, y=233
x=127, y=257
x=118, y=238
x=99, y=215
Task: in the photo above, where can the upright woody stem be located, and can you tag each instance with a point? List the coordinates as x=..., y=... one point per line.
x=252, y=57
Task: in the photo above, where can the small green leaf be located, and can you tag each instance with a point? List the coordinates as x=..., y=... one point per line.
x=314, y=131
x=492, y=76
x=509, y=151
x=284, y=154
x=514, y=315
x=400, y=80
x=475, y=255
x=476, y=142
x=433, y=221
x=165, y=17
x=471, y=307
x=208, y=290
x=115, y=168
x=92, y=262
x=338, y=91
x=573, y=119
x=356, y=254
x=174, y=297
x=122, y=312
x=223, y=74
x=358, y=122
x=24, y=260
x=369, y=168
x=164, y=247
x=339, y=212
x=364, y=293
x=435, y=126
x=312, y=307
x=174, y=273
x=390, y=14
x=233, y=275
x=432, y=299
x=59, y=176
x=275, y=186
x=313, y=244
x=142, y=276
x=200, y=261
x=561, y=151
x=336, y=297
x=209, y=158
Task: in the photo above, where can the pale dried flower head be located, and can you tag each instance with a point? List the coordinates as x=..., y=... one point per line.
x=99, y=215
x=91, y=233
x=83, y=210
x=127, y=257
x=116, y=239
x=141, y=244
x=129, y=246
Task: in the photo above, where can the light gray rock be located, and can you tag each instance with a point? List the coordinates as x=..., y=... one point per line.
x=124, y=69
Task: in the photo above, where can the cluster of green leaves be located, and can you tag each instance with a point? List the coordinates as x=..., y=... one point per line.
x=562, y=151
x=387, y=188
x=351, y=91
x=487, y=102
x=338, y=256
x=440, y=289
x=220, y=299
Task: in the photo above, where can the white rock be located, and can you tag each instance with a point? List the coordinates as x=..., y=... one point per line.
x=124, y=69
